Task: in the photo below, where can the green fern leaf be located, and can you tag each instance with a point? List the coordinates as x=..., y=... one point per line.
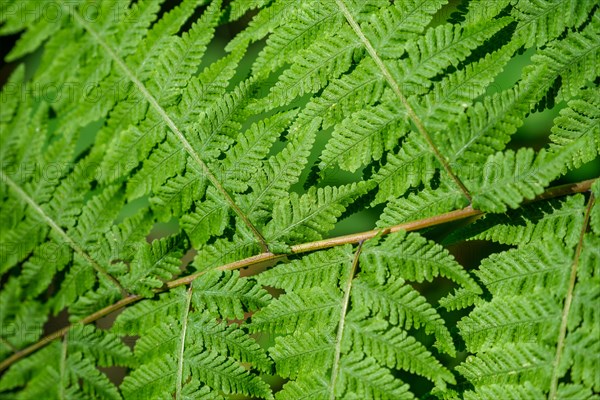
x=511, y=177
x=226, y=295
x=311, y=386
x=213, y=195
x=557, y=218
x=324, y=268
x=306, y=352
x=541, y=21
x=298, y=311
x=400, y=304
x=414, y=258
x=154, y=264
x=426, y=203
x=309, y=217
x=363, y=378
x=395, y=349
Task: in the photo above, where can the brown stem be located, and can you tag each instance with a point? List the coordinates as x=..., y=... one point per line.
x=456, y=215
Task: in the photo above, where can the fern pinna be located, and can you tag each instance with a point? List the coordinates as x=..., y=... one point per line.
x=120, y=118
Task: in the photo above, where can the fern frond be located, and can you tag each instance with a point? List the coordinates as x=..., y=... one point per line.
x=21, y=374
x=492, y=391
x=93, y=383
x=523, y=175
x=403, y=306
x=104, y=347
x=573, y=60
x=363, y=137
x=323, y=268
x=595, y=214
x=304, y=353
x=529, y=268
x=138, y=135
x=146, y=314
x=541, y=21
x=363, y=378
x=343, y=96
x=153, y=264
x=443, y=46
x=150, y=380
x=328, y=57
x=414, y=258
x=305, y=24
x=512, y=320
x=577, y=131
x=182, y=56
x=393, y=348
x=278, y=173
x=557, y=218
x=210, y=218
x=459, y=299
x=244, y=158
x=447, y=100
x=73, y=371
x=309, y=386
x=390, y=29
x=428, y=202
x=226, y=295
x=308, y=217
x=229, y=340
x=195, y=352
x=511, y=177
x=511, y=363
x=177, y=195
x=532, y=329
x=226, y=375
x=411, y=166
x=300, y=311
x=19, y=312
x=265, y=21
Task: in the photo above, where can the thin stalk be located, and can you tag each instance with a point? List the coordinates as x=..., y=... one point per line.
x=184, y=323
x=340, y=333
x=63, y=368
x=560, y=343
x=457, y=215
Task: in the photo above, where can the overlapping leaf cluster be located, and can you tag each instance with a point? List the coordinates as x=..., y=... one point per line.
x=116, y=119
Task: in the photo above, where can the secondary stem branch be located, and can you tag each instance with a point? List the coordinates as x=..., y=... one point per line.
x=456, y=215
x=171, y=124
x=60, y=232
x=340, y=333
x=560, y=343
x=396, y=89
